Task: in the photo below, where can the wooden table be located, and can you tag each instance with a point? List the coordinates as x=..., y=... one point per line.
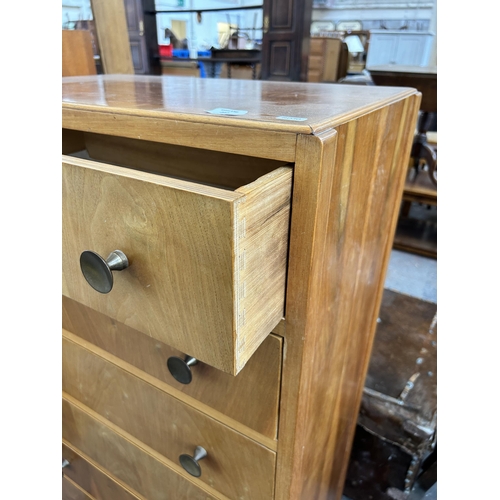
x=425, y=81
x=213, y=61
x=225, y=356
x=422, y=79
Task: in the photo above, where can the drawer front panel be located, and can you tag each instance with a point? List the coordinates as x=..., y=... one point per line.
x=258, y=383
x=93, y=480
x=316, y=46
x=236, y=466
x=140, y=470
x=207, y=265
x=70, y=491
x=315, y=63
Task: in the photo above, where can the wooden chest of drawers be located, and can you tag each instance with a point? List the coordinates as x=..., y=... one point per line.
x=224, y=252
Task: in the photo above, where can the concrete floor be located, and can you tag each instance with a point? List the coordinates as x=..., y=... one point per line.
x=416, y=276
x=412, y=275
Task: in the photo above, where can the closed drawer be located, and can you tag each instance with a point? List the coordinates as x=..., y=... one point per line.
x=138, y=467
x=316, y=47
x=92, y=479
x=236, y=466
x=259, y=382
x=314, y=76
x=207, y=266
x=71, y=491
x=315, y=63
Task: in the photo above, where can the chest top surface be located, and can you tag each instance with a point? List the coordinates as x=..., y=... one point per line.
x=296, y=107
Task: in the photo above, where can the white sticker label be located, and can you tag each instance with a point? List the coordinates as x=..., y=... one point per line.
x=291, y=118
x=227, y=111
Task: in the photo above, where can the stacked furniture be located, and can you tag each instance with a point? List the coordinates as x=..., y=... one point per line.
x=328, y=60
x=225, y=244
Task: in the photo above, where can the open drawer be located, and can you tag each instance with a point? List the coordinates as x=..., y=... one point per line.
x=206, y=266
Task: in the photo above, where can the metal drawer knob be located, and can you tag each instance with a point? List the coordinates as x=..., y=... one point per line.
x=190, y=463
x=180, y=368
x=97, y=271
x=65, y=463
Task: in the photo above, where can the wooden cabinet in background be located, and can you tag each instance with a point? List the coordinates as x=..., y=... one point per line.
x=77, y=53
x=142, y=32
x=285, y=42
x=328, y=60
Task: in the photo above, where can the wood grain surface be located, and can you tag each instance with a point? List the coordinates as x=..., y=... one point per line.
x=126, y=458
x=145, y=101
x=77, y=53
x=71, y=491
x=261, y=219
x=192, y=282
x=347, y=190
x=92, y=479
x=258, y=384
x=236, y=466
x=112, y=32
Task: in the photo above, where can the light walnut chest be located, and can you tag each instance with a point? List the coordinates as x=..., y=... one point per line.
x=228, y=357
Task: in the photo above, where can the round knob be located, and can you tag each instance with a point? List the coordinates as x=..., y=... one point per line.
x=180, y=368
x=190, y=463
x=65, y=463
x=97, y=271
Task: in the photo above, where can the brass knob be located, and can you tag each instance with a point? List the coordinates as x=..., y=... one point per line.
x=97, y=271
x=180, y=368
x=190, y=463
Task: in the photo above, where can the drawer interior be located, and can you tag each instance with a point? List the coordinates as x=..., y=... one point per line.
x=213, y=168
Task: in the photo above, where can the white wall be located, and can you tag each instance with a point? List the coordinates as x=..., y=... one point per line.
x=75, y=10
x=204, y=35
x=417, y=15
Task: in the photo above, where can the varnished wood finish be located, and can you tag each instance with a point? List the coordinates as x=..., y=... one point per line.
x=77, y=53
x=331, y=321
x=181, y=396
x=71, y=491
x=251, y=397
x=207, y=266
x=168, y=109
x=111, y=27
x=92, y=479
x=132, y=462
x=350, y=157
x=235, y=466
